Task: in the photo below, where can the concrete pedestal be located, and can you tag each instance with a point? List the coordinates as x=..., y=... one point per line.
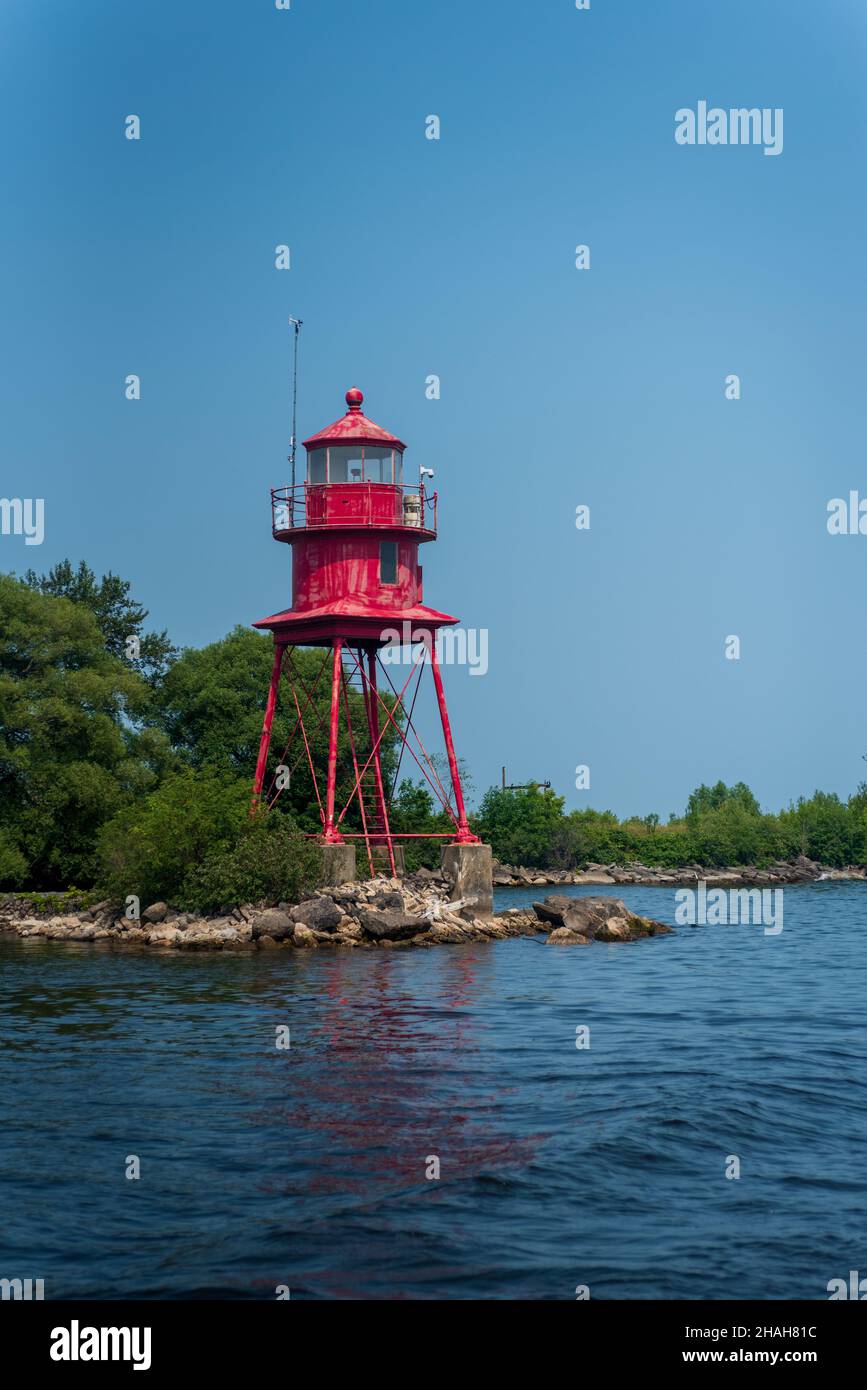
x=338, y=865
x=469, y=870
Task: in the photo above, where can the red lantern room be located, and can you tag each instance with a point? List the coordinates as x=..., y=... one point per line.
x=355, y=526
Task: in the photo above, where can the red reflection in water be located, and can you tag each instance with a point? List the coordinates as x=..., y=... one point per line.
x=384, y=1081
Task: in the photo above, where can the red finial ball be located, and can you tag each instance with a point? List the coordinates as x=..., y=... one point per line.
x=354, y=397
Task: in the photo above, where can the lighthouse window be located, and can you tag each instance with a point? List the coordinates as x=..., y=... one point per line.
x=377, y=465
x=344, y=465
x=388, y=562
x=316, y=466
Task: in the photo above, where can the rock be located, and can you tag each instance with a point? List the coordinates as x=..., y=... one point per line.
x=593, y=878
x=564, y=936
x=321, y=914
x=445, y=933
x=556, y=906
x=155, y=913
x=389, y=898
x=605, y=919
x=303, y=936
x=614, y=928
x=391, y=926
x=164, y=936
x=272, y=922
x=351, y=930
x=267, y=943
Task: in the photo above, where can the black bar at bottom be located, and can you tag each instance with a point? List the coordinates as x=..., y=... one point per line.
x=164, y=1338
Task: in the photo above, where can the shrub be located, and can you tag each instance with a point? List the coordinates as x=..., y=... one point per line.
x=269, y=861
x=150, y=847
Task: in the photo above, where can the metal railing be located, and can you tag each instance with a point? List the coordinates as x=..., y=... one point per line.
x=311, y=506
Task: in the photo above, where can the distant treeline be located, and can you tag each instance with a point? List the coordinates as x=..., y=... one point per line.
x=126, y=765
x=721, y=825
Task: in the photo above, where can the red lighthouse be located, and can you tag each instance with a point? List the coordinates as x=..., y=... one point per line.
x=355, y=527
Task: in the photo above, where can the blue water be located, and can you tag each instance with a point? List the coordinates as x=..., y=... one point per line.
x=559, y=1167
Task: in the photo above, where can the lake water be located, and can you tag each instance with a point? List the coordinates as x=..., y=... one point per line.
x=558, y=1167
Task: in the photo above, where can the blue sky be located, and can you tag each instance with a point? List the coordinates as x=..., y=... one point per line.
x=456, y=257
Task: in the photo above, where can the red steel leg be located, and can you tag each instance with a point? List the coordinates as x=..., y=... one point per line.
x=265, y=740
x=373, y=721
x=464, y=836
x=332, y=836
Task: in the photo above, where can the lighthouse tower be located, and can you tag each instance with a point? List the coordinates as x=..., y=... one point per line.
x=356, y=527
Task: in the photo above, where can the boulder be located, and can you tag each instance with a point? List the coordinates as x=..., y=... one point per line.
x=274, y=923
x=164, y=936
x=390, y=925
x=555, y=907
x=605, y=919
x=564, y=936
x=388, y=899
x=303, y=936
x=320, y=914
x=155, y=913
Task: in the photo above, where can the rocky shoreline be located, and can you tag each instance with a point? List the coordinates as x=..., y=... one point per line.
x=800, y=870
x=382, y=913
x=393, y=914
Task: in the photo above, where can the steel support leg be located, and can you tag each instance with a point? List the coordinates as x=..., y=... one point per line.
x=265, y=740
x=464, y=835
x=332, y=836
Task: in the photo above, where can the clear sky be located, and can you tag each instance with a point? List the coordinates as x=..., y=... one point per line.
x=456, y=257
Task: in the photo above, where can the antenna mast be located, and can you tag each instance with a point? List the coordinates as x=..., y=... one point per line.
x=297, y=325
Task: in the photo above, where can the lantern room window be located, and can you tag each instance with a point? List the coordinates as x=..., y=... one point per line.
x=345, y=465
x=355, y=463
x=378, y=465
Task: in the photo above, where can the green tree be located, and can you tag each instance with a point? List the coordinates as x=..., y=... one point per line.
x=705, y=799
x=120, y=618
x=70, y=754
x=520, y=825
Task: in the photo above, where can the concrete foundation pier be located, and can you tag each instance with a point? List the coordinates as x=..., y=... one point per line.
x=469, y=870
x=338, y=865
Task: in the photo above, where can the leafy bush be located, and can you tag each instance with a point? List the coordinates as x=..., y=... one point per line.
x=269, y=861
x=149, y=848
x=520, y=825
x=193, y=843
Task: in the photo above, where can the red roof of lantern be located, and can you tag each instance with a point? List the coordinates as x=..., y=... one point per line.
x=353, y=428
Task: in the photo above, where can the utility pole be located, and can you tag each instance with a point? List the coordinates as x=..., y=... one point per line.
x=524, y=786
